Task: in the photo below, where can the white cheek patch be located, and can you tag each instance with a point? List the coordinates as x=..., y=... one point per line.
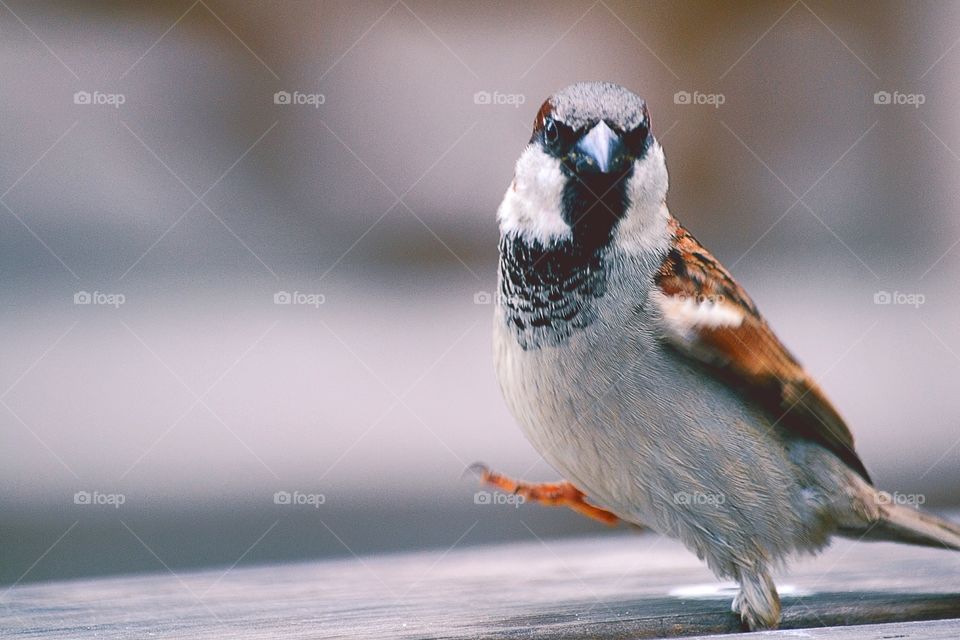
x=685, y=314
x=532, y=205
x=644, y=228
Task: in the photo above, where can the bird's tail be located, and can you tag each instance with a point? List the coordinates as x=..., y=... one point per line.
x=904, y=523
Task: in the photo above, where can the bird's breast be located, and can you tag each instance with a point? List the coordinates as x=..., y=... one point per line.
x=548, y=293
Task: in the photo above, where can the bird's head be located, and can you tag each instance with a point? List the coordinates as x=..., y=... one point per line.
x=592, y=170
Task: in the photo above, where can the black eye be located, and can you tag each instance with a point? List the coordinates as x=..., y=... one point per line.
x=638, y=139
x=557, y=135
x=551, y=132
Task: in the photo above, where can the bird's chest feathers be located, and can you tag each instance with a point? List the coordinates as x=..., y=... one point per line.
x=549, y=292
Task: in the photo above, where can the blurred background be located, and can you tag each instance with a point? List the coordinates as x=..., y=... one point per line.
x=246, y=251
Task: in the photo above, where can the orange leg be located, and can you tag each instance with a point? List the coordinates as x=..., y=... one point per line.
x=554, y=494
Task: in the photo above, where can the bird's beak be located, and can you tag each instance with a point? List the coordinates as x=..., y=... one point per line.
x=600, y=150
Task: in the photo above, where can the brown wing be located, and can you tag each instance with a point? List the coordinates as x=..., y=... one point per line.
x=712, y=320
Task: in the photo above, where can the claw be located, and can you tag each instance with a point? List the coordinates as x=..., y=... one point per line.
x=478, y=469
x=551, y=494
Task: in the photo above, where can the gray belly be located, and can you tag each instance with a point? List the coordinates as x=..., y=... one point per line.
x=646, y=435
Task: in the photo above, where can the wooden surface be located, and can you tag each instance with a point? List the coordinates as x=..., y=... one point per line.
x=621, y=585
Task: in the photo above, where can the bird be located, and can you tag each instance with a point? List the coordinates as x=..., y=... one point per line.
x=644, y=374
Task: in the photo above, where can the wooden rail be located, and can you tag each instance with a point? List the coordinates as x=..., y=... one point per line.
x=621, y=585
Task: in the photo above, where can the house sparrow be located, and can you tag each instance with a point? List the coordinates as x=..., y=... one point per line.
x=645, y=375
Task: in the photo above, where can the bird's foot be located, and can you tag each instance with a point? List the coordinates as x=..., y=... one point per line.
x=757, y=602
x=556, y=494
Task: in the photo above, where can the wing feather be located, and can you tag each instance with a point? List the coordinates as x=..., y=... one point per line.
x=709, y=318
